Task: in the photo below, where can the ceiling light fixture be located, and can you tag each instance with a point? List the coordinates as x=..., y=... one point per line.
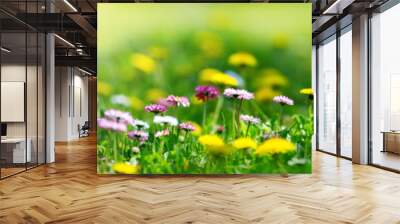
x=84, y=71
x=5, y=50
x=70, y=5
x=337, y=7
x=64, y=40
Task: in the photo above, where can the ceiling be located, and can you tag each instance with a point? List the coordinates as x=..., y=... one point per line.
x=75, y=21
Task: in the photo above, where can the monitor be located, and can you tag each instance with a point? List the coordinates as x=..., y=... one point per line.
x=3, y=129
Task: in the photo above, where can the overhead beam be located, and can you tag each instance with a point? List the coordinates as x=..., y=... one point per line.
x=79, y=61
x=86, y=26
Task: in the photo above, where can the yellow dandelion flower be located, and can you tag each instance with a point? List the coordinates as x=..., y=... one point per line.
x=275, y=146
x=103, y=88
x=242, y=59
x=125, y=168
x=143, y=63
x=158, y=52
x=266, y=94
x=207, y=73
x=154, y=95
x=272, y=78
x=217, y=77
x=224, y=79
x=214, y=144
x=307, y=91
x=137, y=104
x=244, y=143
x=197, y=129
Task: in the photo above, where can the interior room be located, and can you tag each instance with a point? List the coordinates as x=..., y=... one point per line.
x=50, y=83
x=385, y=107
x=22, y=103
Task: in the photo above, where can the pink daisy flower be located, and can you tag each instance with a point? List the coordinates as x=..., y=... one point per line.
x=111, y=125
x=138, y=135
x=205, y=93
x=178, y=101
x=283, y=100
x=240, y=94
x=118, y=116
x=249, y=119
x=187, y=126
x=156, y=108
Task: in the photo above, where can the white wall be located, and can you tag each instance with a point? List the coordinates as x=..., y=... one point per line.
x=71, y=102
x=33, y=126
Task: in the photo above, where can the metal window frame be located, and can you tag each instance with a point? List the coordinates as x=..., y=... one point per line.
x=44, y=74
x=339, y=32
x=381, y=9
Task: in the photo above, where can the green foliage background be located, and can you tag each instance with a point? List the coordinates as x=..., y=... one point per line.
x=278, y=35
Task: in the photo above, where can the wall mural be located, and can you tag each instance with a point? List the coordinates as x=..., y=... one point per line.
x=204, y=88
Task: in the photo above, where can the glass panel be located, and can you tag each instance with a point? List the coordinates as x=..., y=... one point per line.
x=385, y=84
x=327, y=96
x=32, y=86
x=13, y=93
x=41, y=98
x=346, y=94
x=32, y=97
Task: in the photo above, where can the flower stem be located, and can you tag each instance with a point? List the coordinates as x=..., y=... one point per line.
x=248, y=127
x=204, y=114
x=233, y=122
x=217, y=111
x=281, y=117
x=115, y=148
x=238, y=116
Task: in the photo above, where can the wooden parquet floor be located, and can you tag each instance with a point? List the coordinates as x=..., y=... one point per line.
x=70, y=191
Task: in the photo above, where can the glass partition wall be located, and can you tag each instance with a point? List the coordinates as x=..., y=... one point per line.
x=385, y=89
x=22, y=107
x=334, y=94
x=345, y=92
x=327, y=95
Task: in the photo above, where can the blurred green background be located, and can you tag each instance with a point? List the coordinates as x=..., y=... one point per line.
x=182, y=39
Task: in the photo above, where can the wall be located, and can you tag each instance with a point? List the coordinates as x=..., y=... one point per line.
x=33, y=127
x=14, y=72
x=92, y=91
x=71, y=102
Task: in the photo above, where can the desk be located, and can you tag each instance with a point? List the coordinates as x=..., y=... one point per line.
x=391, y=141
x=16, y=148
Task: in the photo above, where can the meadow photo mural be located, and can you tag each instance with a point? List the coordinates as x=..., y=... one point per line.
x=204, y=88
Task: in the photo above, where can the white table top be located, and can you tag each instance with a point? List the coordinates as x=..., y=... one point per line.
x=13, y=140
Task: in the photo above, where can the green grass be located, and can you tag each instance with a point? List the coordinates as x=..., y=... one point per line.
x=281, y=45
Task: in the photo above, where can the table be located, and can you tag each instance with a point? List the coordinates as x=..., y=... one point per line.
x=391, y=141
x=15, y=148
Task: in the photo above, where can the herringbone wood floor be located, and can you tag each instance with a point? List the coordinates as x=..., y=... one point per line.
x=70, y=191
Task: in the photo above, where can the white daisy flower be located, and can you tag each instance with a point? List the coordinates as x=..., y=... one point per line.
x=140, y=124
x=165, y=120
